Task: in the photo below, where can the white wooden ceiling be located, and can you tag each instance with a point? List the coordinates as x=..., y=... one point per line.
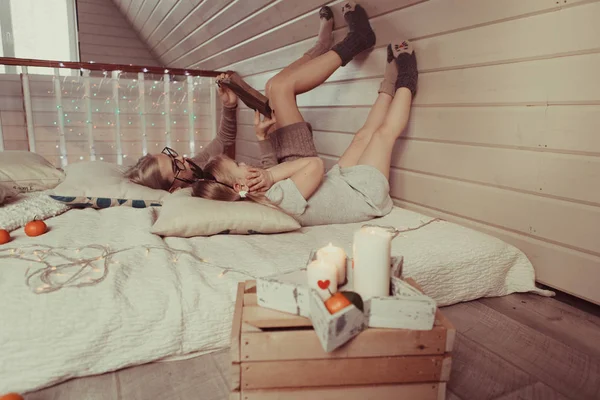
x=208, y=34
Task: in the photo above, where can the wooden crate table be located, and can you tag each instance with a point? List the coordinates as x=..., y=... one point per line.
x=275, y=355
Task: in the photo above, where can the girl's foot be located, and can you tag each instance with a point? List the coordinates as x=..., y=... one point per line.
x=403, y=55
x=360, y=35
x=325, y=38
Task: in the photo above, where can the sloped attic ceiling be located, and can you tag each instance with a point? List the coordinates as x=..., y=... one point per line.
x=215, y=34
x=105, y=36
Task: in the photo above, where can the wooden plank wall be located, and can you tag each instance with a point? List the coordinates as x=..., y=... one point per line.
x=12, y=114
x=106, y=36
x=504, y=131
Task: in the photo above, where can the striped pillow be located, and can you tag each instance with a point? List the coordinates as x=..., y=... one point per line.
x=104, y=202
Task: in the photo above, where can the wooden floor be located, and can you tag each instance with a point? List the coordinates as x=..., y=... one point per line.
x=516, y=347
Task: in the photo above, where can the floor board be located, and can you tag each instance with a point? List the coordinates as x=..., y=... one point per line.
x=537, y=391
x=517, y=347
x=182, y=380
x=565, y=369
x=477, y=373
x=100, y=387
x=558, y=320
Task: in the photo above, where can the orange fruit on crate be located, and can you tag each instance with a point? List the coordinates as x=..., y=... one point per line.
x=12, y=396
x=4, y=236
x=337, y=302
x=35, y=228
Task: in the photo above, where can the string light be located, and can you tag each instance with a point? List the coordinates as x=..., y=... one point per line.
x=76, y=270
x=92, y=111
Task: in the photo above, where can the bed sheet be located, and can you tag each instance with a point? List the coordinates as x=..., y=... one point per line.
x=140, y=298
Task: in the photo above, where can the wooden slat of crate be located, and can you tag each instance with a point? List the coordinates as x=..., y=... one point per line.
x=275, y=349
x=414, y=391
x=294, y=344
x=304, y=345
x=342, y=372
x=261, y=317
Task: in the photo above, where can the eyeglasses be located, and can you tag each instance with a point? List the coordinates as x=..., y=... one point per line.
x=178, y=166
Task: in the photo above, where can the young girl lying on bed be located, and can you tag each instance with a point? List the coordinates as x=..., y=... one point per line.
x=357, y=188
x=169, y=171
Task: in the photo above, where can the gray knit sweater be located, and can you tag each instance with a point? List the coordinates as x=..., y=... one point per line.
x=224, y=139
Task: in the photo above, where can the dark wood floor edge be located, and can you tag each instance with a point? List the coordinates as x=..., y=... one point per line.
x=117, y=386
x=573, y=301
x=505, y=395
x=450, y=395
x=540, y=378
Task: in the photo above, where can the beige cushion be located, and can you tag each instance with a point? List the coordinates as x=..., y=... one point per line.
x=105, y=180
x=25, y=171
x=182, y=215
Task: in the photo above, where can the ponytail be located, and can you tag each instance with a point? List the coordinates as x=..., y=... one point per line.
x=218, y=190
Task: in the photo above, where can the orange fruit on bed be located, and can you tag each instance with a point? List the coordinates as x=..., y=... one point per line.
x=11, y=396
x=4, y=236
x=337, y=302
x=35, y=228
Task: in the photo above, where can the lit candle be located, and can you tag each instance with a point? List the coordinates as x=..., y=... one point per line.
x=371, y=268
x=322, y=276
x=337, y=257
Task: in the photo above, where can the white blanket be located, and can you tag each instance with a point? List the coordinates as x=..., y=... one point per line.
x=159, y=303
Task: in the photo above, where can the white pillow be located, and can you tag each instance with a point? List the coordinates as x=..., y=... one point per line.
x=104, y=180
x=182, y=215
x=25, y=171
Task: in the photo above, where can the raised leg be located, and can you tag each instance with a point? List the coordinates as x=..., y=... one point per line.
x=378, y=151
x=321, y=46
x=308, y=74
x=363, y=136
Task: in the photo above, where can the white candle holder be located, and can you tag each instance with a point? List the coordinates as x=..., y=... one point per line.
x=404, y=308
x=290, y=292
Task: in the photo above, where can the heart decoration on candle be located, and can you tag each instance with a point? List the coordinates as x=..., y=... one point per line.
x=322, y=277
x=336, y=256
x=324, y=284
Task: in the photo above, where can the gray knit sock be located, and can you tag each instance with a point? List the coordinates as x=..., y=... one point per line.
x=406, y=62
x=360, y=35
x=325, y=38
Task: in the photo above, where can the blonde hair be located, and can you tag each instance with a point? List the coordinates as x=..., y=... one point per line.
x=146, y=172
x=220, y=189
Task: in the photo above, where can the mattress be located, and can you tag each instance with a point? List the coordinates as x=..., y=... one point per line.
x=98, y=292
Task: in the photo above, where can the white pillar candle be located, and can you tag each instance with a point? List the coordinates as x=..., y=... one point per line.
x=337, y=257
x=371, y=268
x=322, y=276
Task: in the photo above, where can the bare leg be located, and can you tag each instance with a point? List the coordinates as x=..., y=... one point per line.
x=378, y=152
x=321, y=46
x=284, y=88
x=323, y=43
x=403, y=63
x=363, y=136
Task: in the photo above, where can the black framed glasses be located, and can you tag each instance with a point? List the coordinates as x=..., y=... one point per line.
x=178, y=165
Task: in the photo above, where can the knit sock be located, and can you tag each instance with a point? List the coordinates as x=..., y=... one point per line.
x=406, y=62
x=325, y=38
x=388, y=84
x=360, y=35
